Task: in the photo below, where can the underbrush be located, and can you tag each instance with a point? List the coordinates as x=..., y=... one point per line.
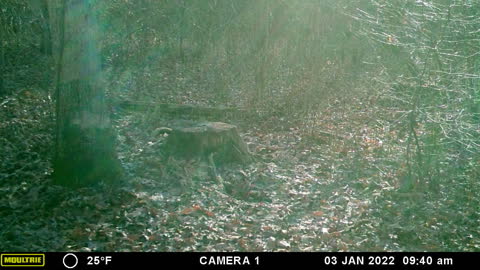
x=328, y=184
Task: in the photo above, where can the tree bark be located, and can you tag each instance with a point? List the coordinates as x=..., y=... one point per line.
x=2, y=55
x=41, y=7
x=215, y=140
x=194, y=111
x=46, y=35
x=85, y=148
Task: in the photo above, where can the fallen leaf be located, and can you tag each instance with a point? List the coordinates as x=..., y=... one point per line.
x=133, y=237
x=208, y=213
x=187, y=211
x=284, y=244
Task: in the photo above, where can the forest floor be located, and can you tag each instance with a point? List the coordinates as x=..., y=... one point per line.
x=328, y=185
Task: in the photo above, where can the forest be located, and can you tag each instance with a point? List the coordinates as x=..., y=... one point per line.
x=228, y=125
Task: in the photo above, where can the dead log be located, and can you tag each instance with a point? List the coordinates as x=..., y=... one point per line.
x=219, y=140
x=183, y=109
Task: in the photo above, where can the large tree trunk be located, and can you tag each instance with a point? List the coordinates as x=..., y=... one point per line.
x=85, y=150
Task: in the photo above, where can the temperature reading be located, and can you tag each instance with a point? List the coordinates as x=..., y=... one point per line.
x=97, y=260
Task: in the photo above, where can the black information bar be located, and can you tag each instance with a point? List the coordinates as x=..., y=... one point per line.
x=241, y=260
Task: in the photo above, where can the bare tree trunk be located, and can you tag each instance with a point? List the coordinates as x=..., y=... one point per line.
x=85, y=150
x=46, y=35
x=41, y=7
x=2, y=55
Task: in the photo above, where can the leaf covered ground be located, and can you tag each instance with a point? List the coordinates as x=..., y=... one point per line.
x=327, y=184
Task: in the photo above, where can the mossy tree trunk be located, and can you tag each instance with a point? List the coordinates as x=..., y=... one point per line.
x=85, y=150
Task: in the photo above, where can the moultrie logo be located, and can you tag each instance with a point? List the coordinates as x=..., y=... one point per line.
x=22, y=259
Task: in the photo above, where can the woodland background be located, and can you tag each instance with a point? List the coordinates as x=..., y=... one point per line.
x=363, y=117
